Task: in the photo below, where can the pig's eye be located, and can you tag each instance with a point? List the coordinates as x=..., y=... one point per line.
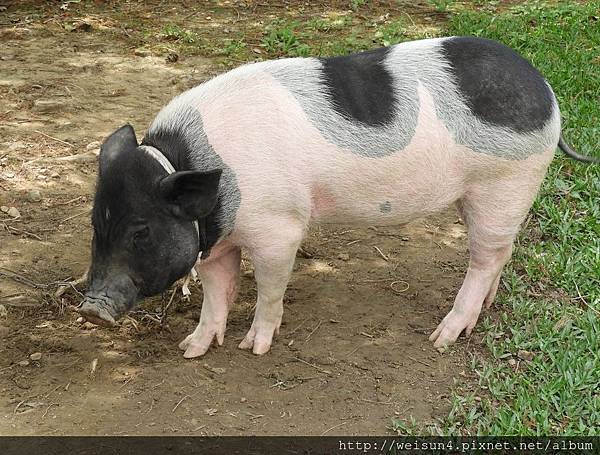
x=141, y=235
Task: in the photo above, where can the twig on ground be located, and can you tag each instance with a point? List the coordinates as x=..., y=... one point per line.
x=74, y=216
x=381, y=254
x=163, y=316
x=376, y=402
x=313, y=331
x=21, y=231
x=419, y=361
x=296, y=329
x=54, y=139
x=48, y=409
x=68, y=202
x=335, y=426
x=316, y=367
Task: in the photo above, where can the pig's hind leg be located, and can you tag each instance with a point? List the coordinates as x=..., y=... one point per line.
x=493, y=213
x=220, y=282
x=273, y=261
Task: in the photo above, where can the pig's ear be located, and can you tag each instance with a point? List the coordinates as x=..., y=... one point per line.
x=191, y=194
x=122, y=140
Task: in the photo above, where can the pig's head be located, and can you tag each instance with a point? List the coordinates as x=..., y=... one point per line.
x=144, y=232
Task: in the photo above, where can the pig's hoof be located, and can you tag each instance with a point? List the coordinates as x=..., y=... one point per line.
x=196, y=344
x=258, y=341
x=451, y=327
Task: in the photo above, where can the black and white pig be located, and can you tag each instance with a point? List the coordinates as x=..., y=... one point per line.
x=250, y=158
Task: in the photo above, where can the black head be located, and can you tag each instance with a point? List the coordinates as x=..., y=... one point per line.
x=144, y=235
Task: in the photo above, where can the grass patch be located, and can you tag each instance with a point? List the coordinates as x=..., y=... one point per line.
x=281, y=40
x=551, y=289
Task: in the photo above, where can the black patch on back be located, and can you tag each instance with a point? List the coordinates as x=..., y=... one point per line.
x=500, y=86
x=173, y=144
x=360, y=86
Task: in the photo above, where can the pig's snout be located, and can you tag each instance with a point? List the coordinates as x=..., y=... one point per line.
x=98, y=311
x=104, y=303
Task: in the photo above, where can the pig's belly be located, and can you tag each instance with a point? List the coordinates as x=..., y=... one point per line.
x=396, y=189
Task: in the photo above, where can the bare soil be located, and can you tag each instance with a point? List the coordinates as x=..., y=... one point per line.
x=353, y=352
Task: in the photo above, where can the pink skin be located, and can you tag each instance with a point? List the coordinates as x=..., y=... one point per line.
x=289, y=175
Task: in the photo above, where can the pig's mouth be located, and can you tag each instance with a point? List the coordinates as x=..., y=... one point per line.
x=98, y=311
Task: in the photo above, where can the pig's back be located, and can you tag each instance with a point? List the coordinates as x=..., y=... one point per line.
x=380, y=133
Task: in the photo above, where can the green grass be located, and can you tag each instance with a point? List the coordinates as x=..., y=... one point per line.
x=551, y=289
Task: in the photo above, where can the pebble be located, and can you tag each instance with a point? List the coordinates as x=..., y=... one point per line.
x=141, y=52
x=512, y=362
x=14, y=212
x=48, y=105
x=36, y=356
x=216, y=370
x=55, y=175
x=93, y=145
x=9, y=175
x=3, y=311
x=525, y=355
x=34, y=196
x=344, y=256
x=4, y=209
x=243, y=399
x=80, y=320
x=24, y=363
x=89, y=326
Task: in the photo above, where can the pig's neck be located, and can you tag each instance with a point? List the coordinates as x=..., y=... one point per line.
x=176, y=149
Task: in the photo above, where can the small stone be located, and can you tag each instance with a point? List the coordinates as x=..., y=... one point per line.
x=512, y=362
x=14, y=212
x=55, y=175
x=214, y=369
x=344, y=256
x=3, y=311
x=4, y=331
x=525, y=355
x=248, y=273
x=9, y=175
x=48, y=106
x=256, y=50
x=80, y=320
x=4, y=209
x=88, y=326
x=34, y=196
x=93, y=145
x=141, y=52
x=36, y=356
x=243, y=399
x=23, y=363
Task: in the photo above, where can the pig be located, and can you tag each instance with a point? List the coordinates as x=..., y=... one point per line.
x=252, y=157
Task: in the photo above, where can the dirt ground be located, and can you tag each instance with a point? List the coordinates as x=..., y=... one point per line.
x=353, y=352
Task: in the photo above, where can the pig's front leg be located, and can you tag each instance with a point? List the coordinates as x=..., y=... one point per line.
x=273, y=263
x=220, y=282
